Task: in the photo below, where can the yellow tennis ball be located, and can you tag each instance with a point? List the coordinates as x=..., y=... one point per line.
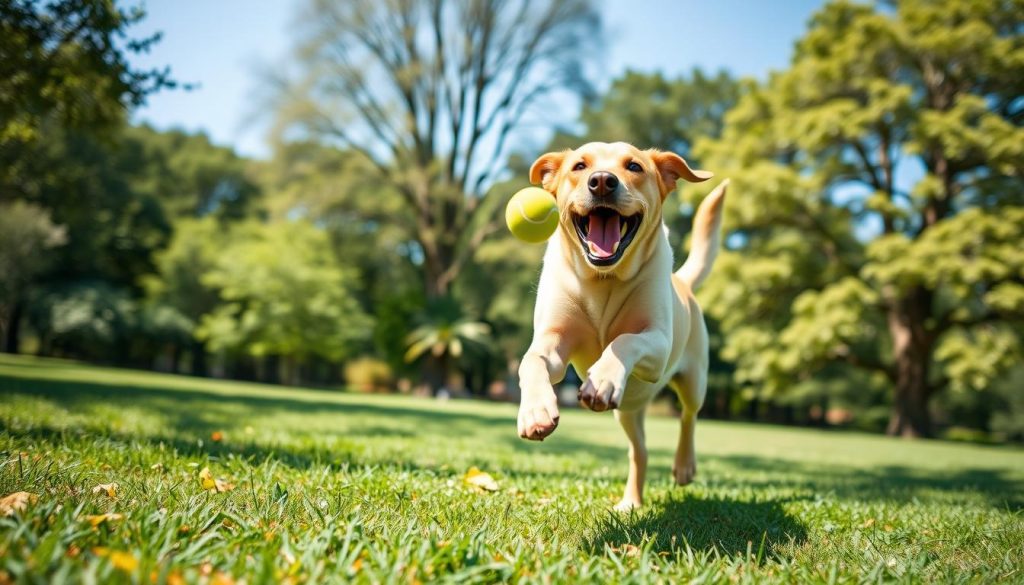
x=531, y=215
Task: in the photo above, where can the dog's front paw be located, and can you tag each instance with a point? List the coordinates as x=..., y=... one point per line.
x=538, y=416
x=684, y=469
x=626, y=505
x=604, y=387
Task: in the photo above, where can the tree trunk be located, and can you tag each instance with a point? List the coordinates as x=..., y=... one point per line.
x=175, y=358
x=271, y=369
x=912, y=352
x=753, y=409
x=12, y=328
x=199, y=367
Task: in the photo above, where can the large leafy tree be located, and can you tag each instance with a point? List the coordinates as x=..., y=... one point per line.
x=283, y=293
x=339, y=191
x=431, y=93
x=878, y=209
x=66, y=84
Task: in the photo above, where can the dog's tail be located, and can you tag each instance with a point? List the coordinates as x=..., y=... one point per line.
x=705, y=238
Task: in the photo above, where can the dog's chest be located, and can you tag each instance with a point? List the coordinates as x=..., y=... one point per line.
x=600, y=319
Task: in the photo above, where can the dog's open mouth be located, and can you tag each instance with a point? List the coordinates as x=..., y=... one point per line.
x=605, y=234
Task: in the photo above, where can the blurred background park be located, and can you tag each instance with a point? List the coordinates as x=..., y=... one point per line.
x=311, y=192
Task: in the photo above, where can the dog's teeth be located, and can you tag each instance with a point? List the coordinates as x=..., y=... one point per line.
x=593, y=248
x=615, y=248
x=622, y=229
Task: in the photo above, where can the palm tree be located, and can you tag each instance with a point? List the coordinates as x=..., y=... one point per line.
x=444, y=342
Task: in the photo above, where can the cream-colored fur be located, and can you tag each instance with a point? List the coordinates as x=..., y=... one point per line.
x=632, y=327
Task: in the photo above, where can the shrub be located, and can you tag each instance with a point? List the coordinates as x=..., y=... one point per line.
x=369, y=374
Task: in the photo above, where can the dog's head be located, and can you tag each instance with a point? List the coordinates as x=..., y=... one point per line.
x=609, y=199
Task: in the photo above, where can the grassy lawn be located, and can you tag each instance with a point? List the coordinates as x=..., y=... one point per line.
x=330, y=485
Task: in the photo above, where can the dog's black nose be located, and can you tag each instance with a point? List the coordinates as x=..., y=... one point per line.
x=602, y=183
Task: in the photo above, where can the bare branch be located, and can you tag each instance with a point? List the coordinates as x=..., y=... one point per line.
x=430, y=89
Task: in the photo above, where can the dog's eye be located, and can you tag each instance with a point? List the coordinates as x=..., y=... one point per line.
x=635, y=167
x=579, y=166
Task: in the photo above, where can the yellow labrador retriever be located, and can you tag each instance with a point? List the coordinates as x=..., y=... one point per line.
x=609, y=303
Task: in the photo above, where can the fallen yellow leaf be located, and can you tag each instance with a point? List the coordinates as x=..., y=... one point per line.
x=109, y=488
x=98, y=519
x=627, y=550
x=211, y=483
x=206, y=479
x=16, y=502
x=122, y=560
x=480, y=479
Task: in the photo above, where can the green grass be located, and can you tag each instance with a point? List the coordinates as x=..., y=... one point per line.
x=331, y=485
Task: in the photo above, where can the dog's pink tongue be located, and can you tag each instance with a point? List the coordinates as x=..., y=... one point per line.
x=603, y=233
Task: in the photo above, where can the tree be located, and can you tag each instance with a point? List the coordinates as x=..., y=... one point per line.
x=837, y=260
x=648, y=110
x=189, y=175
x=26, y=233
x=65, y=87
x=338, y=191
x=65, y=64
x=283, y=293
x=177, y=284
x=431, y=93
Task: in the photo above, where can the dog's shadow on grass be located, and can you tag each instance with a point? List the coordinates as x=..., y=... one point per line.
x=704, y=524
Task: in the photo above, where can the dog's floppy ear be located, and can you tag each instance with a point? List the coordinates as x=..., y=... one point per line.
x=672, y=167
x=545, y=168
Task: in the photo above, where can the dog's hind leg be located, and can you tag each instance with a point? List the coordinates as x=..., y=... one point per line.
x=633, y=424
x=691, y=386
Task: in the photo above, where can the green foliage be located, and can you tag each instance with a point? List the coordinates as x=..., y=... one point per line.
x=65, y=64
x=650, y=111
x=92, y=319
x=26, y=233
x=88, y=186
x=446, y=338
x=188, y=174
x=283, y=292
x=833, y=261
x=1008, y=419
x=367, y=225
x=118, y=201
x=340, y=487
x=451, y=339
x=191, y=253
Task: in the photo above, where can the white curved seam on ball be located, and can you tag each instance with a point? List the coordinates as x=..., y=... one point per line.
x=522, y=212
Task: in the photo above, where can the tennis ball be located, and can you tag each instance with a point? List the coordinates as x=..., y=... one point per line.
x=531, y=215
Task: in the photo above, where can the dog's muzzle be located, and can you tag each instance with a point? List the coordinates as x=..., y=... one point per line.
x=605, y=234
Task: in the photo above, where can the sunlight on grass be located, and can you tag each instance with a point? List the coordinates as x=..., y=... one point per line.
x=331, y=485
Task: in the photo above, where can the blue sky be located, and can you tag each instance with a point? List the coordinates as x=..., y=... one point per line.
x=223, y=44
